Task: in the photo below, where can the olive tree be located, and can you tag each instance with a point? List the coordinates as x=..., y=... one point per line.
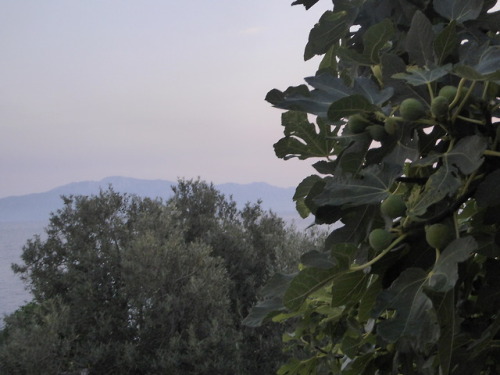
x=253, y=244
x=123, y=284
x=118, y=290
x=407, y=167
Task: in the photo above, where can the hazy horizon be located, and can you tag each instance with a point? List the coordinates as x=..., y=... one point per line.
x=149, y=90
x=145, y=179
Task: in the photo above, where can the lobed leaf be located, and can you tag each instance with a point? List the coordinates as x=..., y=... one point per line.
x=419, y=40
x=331, y=27
x=348, y=106
x=446, y=42
x=467, y=155
x=305, y=283
x=484, y=66
x=483, y=194
x=306, y=3
x=375, y=38
x=445, y=308
x=415, y=318
x=443, y=183
x=367, y=88
x=418, y=76
x=349, y=288
x=371, y=187
x=301, y=193
x=302, y=139
x=444, y=274
x=459, y=10
x=271, y=303
x=357, y=223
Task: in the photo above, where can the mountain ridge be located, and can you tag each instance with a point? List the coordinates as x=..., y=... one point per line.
x=38, y=206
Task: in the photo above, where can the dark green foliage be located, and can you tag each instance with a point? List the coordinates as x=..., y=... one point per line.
x=427, y=71
x=128, y=285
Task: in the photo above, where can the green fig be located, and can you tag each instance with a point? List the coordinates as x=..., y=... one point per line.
x=357, y=123
x=439, y=107
x=411, y=109
x=379, y=239
x=377, y=132
x=449, y=92
x=438, y=235
x=393, y=206
x=391, y=125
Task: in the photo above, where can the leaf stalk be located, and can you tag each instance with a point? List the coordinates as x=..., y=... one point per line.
x=380, y=256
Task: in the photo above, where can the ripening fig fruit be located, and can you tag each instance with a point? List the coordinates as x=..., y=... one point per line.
x=438, y=235
x=379, y=239
x=411, y=109
x=391, y=125
x=449, y=92
x=357, y=123
x=393, y=206
x=439, y=107
x=377, y=132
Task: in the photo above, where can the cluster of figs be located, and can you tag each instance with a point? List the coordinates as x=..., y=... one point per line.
x=410, y=110
x=437, y=235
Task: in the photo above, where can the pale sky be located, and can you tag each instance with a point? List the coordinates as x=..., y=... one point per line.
x=154, y=89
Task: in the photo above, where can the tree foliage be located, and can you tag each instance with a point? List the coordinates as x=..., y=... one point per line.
x=127, y=285
x=405, y=98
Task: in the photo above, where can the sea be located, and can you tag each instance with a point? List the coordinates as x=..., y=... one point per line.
x=13, y=236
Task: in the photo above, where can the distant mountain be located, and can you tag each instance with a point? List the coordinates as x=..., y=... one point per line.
x=37, y=207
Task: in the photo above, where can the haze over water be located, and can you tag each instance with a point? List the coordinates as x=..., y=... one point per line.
x=13, y=236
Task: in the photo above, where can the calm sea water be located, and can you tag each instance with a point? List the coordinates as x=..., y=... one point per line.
x=13, y=236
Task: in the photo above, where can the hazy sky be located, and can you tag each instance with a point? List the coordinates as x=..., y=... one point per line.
x=154, y=89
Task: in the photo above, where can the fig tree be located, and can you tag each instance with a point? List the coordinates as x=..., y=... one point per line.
x=357, y=123
x=393, y=206
x=411, y=109
x=439, y=107
x=379, y=239
x=438, y=235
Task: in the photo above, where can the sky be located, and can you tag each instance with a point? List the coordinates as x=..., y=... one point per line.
x=152, y=89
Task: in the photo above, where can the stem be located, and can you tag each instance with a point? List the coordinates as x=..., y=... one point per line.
x=479, y=122
x=431, y=91
x=467, y=184
x=457, y=96
x=455, y=224
x=450, y=146
x=485, y=90
x=380, y=256
x=491, y=153
x=406, y=222
x=464, y=100
x=426, y=122
x=420, y=121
